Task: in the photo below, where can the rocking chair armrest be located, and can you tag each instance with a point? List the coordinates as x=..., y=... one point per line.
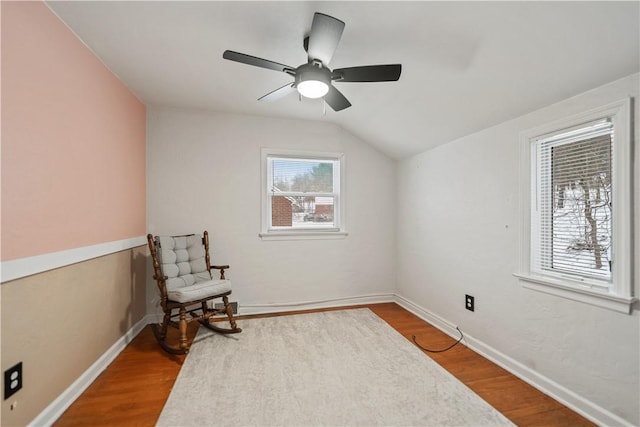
x=222, y=268
x=160, y=278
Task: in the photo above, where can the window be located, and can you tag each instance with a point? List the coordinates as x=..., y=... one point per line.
x=302, y=194
x=576, y=206
x=573, y=204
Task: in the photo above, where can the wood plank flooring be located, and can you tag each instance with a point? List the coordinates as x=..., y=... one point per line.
x=133, y=389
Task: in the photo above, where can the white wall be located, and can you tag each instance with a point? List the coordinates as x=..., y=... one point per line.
x=458, y=233
x=203, y=172
x=454, y=229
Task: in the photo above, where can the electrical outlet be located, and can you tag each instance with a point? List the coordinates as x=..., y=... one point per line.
x=469, y=302
x=12, y=380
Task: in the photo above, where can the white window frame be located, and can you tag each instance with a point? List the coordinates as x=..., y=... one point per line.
x=271, y=233
x=619, y=295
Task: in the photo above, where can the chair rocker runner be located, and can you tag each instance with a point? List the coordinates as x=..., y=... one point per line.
x=182, y=270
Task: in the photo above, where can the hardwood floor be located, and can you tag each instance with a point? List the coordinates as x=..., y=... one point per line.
x=133, y=389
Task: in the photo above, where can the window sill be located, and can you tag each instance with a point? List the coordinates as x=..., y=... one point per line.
x=303, y=235
x=619, y=303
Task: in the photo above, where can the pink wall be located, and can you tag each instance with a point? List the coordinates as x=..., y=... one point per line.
x=73, y=141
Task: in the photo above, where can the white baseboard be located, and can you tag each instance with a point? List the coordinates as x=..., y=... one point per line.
x=570, y=399
x=284, y=307
x=248, y=309
x=56, y=408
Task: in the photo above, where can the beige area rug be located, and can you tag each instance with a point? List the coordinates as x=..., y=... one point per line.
x=333, y=368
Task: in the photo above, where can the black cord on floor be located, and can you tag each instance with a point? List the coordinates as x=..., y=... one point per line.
x=439, y=351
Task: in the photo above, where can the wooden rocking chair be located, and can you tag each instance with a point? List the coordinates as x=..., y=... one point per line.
x=182, y=270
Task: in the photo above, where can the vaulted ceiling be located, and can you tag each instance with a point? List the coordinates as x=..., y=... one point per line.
x=466, y=65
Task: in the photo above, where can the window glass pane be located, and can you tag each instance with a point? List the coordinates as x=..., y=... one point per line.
x=302, y=211
x=302, y=193
x=582, y=207
x=575, y=199
x=305, y=176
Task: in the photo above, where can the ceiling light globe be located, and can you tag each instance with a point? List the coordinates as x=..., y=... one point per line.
x=313, y=88
x=313, y=80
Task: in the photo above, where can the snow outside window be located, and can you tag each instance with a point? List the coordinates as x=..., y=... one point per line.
x=576, y=207
x=301, y=194
x=573, y=204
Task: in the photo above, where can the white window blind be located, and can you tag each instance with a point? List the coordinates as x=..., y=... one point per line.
x=573, y=204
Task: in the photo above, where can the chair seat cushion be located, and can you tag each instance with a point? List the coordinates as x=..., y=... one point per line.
x=199, y=290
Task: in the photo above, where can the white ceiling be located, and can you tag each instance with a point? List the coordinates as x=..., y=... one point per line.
x=466, y=65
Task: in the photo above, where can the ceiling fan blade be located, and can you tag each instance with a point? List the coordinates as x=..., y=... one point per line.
x=255, y=61
x=368, y=73
x=336, y=99
x=281, y=92
x=325, y=35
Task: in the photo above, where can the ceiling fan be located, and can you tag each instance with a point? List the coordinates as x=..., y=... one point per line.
x=314, y=79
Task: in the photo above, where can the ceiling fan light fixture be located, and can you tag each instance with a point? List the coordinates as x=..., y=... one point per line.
x=313, y=88
x=312, y=81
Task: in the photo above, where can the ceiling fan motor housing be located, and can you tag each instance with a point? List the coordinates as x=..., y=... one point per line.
x=313, y=71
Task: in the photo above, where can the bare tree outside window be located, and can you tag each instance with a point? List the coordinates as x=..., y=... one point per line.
x=581, y=206
x=576, y=188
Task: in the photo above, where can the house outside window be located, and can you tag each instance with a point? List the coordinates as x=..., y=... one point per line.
x=302, y=194
x=576, y=208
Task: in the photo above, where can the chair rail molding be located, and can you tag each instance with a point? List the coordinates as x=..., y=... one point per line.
x=23, y=267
